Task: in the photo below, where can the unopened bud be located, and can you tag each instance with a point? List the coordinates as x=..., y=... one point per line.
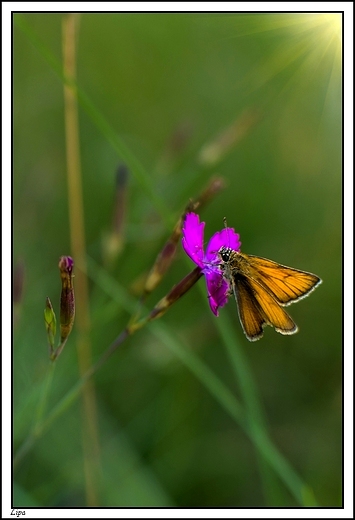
x=50, y=322
x=18, y=283
x=19, y=275
x=67, y=301
x=176, y=145
x=213, y=151
x=114, y=240
x=166, y=255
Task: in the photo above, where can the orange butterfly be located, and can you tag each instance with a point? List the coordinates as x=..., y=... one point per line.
x=262, y=288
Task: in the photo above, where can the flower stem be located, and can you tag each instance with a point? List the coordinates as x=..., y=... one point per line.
x=44, y=395
x=77, y=237
x=130, y=329
x=42, y=426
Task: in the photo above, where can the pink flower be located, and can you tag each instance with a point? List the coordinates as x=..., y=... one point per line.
x=209, y=261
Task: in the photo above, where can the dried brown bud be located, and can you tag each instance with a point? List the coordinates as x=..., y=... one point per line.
x=213, y=151
x=114, y=240
x=176, y=292
x=164, y=258
x=166, y=255
x=176, y=145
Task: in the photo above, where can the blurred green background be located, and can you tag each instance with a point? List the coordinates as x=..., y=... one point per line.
x=169, y=84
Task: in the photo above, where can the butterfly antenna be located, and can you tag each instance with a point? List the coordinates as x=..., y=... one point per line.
x=226, y=227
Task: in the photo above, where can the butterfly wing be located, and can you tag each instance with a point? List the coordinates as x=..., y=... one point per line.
x=257, y=308
x=286, y=284
x=249, y=312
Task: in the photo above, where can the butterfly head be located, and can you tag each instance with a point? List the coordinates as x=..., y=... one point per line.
x=225, y=253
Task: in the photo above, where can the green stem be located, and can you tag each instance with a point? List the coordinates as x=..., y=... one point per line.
x=255, y=422
x=301, y=491
x=41, y=427
x=138, y=170
x=90, y=435
x=249, y=393
x=44, y=396
x=37, y=425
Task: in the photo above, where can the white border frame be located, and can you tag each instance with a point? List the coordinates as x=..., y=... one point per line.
x=347, y=7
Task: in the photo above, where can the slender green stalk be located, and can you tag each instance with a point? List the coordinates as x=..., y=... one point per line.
x=256, y=425
x=36, y=430
x=68, y=399
x=44, y=396
x=203, y=373
x=252, y=421
x=77, y=236
x=249, y=393
x=301, y=492
x=138, y=170
x=209, y=380
x=26, y=446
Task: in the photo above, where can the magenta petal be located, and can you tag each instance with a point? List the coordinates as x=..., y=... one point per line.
x=217, y=289
x=192, y=240
x=227, y=237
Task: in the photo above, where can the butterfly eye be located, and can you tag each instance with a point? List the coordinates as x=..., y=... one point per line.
x=225, y=254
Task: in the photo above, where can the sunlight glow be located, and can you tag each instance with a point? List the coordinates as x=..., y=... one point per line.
x=312, y=42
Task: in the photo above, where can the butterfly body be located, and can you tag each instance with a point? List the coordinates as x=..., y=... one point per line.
x=262, y=288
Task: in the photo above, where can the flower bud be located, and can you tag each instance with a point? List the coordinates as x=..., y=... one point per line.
x=175, y=147
x=19, y=275
x=51, y=323
x=114, y=240
x=67, y=301
x=212, y=152
x=17, y=293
